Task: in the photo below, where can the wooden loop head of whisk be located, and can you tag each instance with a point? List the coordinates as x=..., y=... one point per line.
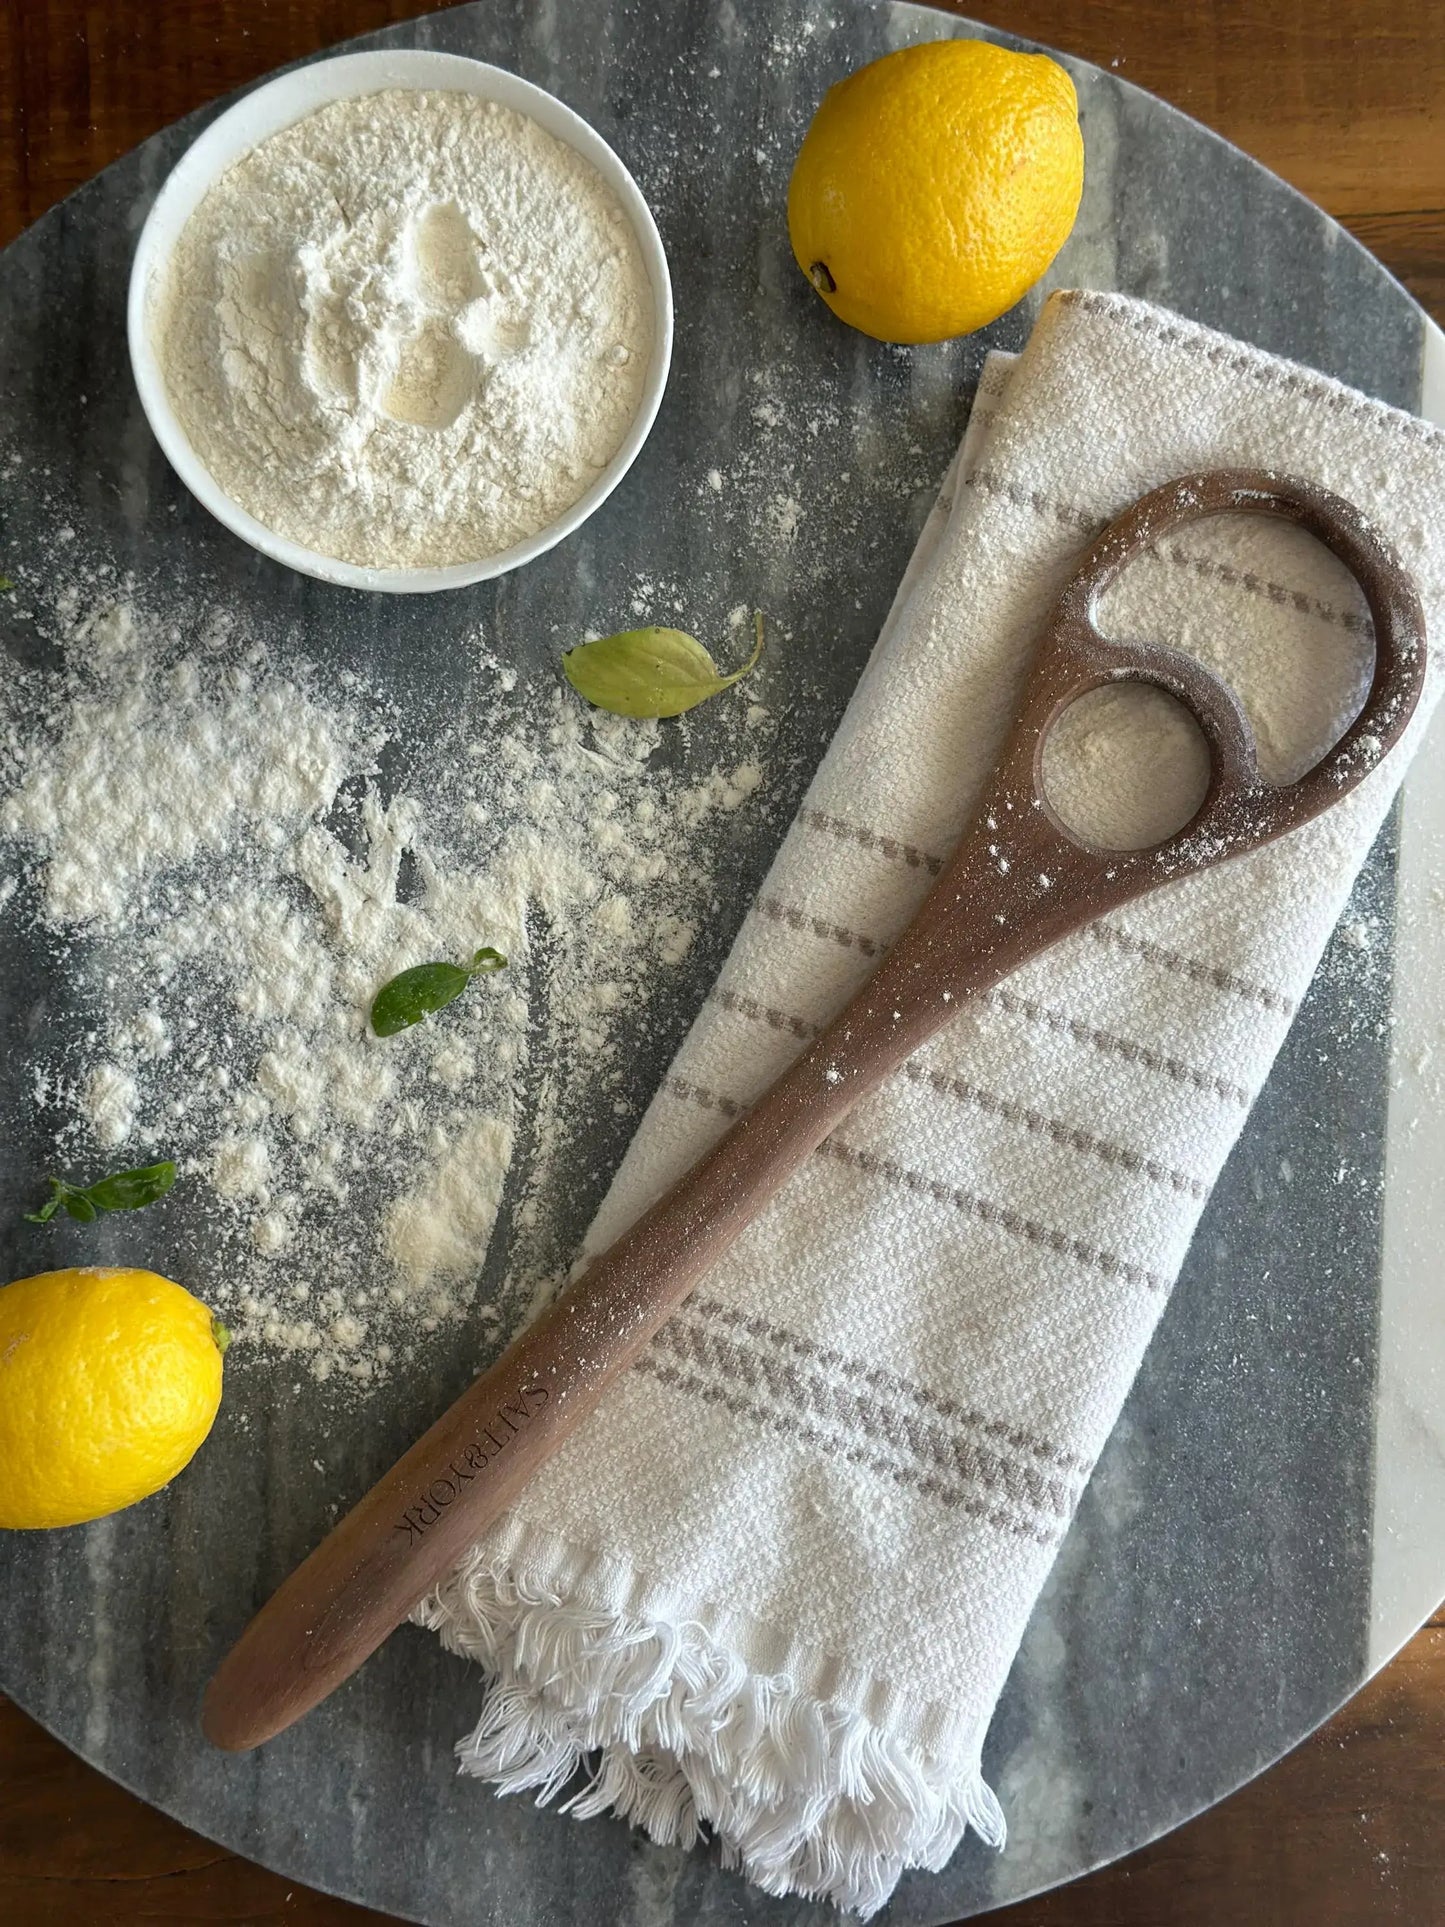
x=1239, y=809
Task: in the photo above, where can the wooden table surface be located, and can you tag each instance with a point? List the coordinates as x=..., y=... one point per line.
x=1346, y=99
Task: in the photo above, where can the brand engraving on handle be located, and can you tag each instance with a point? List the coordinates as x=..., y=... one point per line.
x=490, y=1443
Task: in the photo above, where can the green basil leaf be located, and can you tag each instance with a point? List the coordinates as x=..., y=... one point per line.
x=5, y=583
x=122, y=1191
x=130, y=1190
x=51, y=1205
x=650, y=672
x=425, y=988
x=415, y=994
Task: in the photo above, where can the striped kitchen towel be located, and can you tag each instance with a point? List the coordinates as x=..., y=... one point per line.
x=774, y=1586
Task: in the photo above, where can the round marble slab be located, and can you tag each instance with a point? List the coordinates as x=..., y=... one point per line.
x=1260, y=1533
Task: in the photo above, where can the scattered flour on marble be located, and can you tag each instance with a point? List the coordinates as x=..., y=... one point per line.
x=211, y=848
x=109, y=1099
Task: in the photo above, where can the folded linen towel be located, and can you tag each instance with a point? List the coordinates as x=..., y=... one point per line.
x=904, y=1372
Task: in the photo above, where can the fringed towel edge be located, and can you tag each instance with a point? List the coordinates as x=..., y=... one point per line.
x=806, y=1795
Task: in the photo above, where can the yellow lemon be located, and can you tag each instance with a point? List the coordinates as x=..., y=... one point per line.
x=935, y=186
x=109, y=1381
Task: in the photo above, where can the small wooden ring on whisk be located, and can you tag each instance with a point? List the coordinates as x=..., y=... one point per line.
x=1239, y=809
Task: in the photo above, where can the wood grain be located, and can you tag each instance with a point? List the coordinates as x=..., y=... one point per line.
x=1345, y=99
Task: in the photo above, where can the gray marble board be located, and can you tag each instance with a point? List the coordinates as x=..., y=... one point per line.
x=1224, y=1586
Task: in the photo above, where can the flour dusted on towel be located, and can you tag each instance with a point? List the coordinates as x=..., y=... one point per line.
x=1125, y=766
x=411, y=329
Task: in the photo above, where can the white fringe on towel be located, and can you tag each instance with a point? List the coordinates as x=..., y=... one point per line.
x=805, y=1795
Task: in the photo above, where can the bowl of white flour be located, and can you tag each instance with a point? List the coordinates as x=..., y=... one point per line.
x=400, y=320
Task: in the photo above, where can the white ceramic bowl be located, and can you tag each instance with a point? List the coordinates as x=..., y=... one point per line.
x=279, y=104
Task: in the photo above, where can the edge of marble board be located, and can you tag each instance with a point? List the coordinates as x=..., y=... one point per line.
x=1410, y=1400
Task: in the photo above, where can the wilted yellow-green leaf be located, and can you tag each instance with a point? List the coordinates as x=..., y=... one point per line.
x=650, y=672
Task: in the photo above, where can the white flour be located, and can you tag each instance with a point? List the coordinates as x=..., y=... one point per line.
x=1126, y=766
x=410, y=330
x=225, y=875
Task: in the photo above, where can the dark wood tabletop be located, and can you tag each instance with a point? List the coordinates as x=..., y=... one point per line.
x=1345, y=99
